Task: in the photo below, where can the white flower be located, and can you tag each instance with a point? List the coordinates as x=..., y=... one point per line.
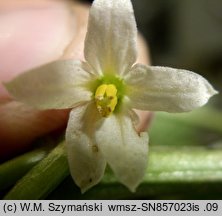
x=103, y=91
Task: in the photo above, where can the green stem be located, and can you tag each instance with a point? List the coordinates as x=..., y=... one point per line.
x=11, y=171
x=43, y=178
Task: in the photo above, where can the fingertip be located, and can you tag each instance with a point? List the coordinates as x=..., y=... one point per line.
x=20, y=125
x=145, y=119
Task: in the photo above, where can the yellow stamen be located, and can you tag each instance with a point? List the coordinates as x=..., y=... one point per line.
x=106, y=99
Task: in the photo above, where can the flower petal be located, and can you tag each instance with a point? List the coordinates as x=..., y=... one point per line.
x=110, y=45
x=167, y=89
x=56, y=85
x=86, y=162
x=125, y=151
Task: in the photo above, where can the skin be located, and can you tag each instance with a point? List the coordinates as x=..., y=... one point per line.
x=33, y=33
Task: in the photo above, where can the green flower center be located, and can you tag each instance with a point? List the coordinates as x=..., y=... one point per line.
x=108, y=93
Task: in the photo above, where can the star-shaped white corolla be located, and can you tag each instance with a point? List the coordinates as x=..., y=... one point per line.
x=103, y=91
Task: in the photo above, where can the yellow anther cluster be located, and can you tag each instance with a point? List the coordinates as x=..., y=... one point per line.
x=106, y=99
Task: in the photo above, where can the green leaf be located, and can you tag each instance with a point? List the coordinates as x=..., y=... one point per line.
x=186, y=173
